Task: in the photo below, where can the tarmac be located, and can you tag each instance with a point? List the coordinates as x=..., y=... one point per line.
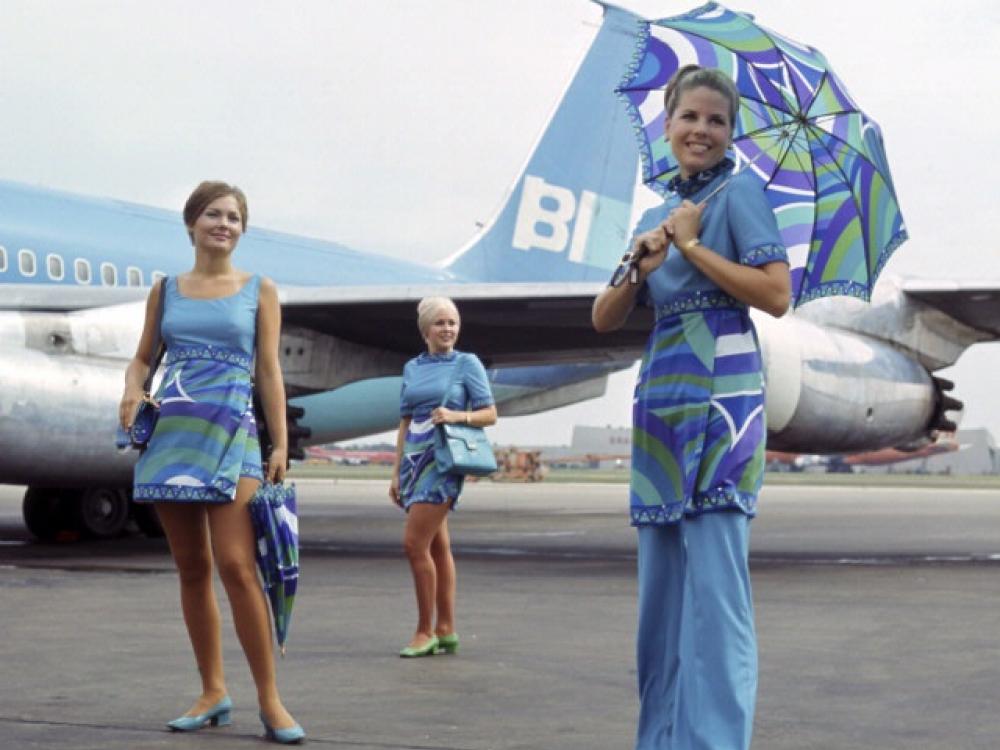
x=878, y=614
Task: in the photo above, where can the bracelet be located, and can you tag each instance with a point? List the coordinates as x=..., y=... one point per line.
x=691, y=244
x=467, y=417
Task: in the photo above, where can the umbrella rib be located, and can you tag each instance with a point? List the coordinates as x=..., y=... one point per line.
x=861, y=155
x=811, y=170
x=854, y=198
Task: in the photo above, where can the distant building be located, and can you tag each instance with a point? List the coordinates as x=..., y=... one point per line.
x=602, y=440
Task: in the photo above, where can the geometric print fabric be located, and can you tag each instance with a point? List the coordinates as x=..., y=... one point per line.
x=698, y=418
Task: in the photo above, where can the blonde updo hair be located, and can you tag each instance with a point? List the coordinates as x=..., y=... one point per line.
x=427, y=310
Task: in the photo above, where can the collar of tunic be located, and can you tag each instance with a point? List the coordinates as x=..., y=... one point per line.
x=694, y=183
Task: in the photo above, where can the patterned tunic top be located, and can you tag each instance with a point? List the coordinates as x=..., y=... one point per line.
x=698, y=412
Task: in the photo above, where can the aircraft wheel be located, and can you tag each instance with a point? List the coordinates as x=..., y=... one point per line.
x=47, y=515
x=102, y=512
x=144, y=515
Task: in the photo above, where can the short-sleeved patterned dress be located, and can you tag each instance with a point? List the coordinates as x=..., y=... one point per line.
x=425, y=378
x=206, y=437
x=698, y=413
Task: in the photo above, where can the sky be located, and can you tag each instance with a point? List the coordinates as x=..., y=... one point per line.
x=395, y=126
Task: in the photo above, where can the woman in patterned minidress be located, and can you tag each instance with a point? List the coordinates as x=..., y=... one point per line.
x=417, y=485
x=202, y=463
x=698, y=424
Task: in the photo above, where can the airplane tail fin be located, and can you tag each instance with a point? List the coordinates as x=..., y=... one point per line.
x=570, y=212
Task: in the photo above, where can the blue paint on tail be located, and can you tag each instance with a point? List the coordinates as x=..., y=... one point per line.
x=569, y=215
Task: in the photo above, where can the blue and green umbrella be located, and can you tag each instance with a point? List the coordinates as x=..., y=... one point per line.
x=276, y=528
x=820, y=158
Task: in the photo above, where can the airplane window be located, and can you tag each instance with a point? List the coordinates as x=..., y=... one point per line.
x=134, y=276
x=109, y=274
x=55, y=264
x=26, y=262
x=3, y=259
x=82, y=268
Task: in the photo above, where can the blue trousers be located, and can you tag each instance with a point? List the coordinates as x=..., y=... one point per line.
x=696, y=646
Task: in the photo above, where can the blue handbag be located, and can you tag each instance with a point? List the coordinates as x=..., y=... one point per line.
x=462, y=448
x=146, y=414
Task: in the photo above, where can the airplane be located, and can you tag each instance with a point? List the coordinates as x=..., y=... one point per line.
x=843, y=376
x=945, y=443
x=349, y=456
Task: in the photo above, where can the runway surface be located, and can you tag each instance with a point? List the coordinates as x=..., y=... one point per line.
x=877, y=611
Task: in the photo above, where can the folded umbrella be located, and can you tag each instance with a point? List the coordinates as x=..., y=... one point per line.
x=276, y=528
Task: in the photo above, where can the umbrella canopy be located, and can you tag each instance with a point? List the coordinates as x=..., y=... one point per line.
x=820, y=158
x=276, y=527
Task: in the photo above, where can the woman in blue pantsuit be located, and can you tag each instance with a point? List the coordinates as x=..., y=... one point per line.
x=698, y=424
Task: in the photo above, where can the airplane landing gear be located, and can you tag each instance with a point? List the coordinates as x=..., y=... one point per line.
x=102, y=512
x=66, y=514
x=48, y=513
x=144, y=515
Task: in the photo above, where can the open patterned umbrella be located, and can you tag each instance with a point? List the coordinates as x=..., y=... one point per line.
x=821, y=159
x=276, y=527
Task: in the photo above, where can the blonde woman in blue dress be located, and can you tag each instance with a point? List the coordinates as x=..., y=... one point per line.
x=203, y=463
x=425, y=493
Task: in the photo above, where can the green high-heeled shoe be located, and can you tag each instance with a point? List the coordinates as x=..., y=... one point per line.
x=447, y=644
x=427, y=649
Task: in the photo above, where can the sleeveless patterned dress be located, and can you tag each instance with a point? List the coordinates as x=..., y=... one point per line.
x=206, y=437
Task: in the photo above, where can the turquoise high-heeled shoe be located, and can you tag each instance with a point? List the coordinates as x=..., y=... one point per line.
x=219, y=715
x=427, y=649
x=447, y=644
x=288, y=736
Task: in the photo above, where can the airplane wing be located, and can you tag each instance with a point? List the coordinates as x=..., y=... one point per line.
x=975, y=304
x=66, y=297
x=503, y=323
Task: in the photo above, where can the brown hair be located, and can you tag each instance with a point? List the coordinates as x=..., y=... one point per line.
x=207, y=192
x=693, y=77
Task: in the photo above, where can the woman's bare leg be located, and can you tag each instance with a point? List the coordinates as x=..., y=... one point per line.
x=186, y=528
x=233, y=544
x=444, y=567
x=423, y=522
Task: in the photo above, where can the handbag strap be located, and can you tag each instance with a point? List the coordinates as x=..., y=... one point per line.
x=459, y=361
x=158, y=346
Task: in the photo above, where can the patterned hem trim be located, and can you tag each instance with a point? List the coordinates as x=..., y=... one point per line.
x=855, y=288
x=223, y=493
x=178, y=493
x=217, y=353
x=694, y=301
x=721, y=498
x=836, y=289
x=765, y=254
x=432, y=500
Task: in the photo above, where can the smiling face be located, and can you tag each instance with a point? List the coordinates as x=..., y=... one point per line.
x=218, y=228
x=441, y=332
x=699, y=129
